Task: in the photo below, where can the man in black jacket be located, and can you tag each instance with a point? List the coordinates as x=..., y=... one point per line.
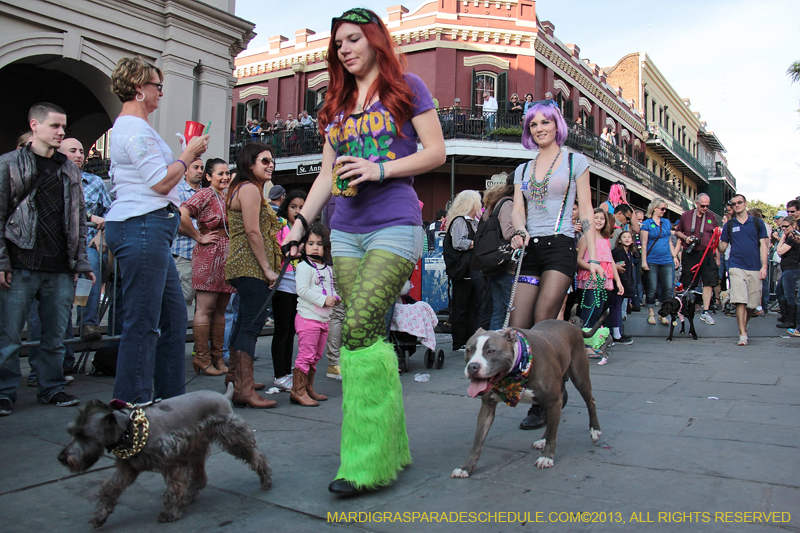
x=42, y=253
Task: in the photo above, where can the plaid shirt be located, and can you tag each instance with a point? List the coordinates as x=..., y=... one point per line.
x=97, y=200
x=183, y=245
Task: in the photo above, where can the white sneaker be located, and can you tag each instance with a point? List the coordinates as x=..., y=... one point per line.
x=706, y=317
x=270, y=323
x=285, y=383
x=69, y=380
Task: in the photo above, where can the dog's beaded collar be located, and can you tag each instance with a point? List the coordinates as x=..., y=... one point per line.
x=136, y=433
x=511, y=386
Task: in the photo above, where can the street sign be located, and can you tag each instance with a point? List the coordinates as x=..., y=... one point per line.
x=311, y=168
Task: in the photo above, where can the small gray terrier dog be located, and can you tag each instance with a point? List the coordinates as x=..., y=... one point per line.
x=181, y=430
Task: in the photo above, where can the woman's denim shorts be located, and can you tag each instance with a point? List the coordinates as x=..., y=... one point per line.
x=404, y=241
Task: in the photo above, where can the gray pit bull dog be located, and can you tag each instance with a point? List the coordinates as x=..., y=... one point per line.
x=516, y=365
x=179, y=433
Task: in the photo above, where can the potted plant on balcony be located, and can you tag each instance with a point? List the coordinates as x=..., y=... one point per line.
x=507, y=134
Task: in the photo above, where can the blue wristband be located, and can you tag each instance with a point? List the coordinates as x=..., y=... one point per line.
x=382, y=173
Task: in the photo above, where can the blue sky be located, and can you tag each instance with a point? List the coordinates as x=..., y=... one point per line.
x=728, y=57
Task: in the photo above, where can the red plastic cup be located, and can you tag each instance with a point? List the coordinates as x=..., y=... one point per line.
x=193, y=129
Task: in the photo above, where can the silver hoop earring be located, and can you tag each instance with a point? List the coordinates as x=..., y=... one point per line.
x=138, y=95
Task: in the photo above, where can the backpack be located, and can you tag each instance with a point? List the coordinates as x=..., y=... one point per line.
x=457, y=262
x=486, y=253
x=729, y=227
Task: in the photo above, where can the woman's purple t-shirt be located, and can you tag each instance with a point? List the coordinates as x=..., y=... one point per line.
x=373, y=135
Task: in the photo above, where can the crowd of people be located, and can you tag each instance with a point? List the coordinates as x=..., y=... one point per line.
x=185, y=231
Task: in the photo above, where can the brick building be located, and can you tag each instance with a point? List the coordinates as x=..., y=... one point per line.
x=462, y=49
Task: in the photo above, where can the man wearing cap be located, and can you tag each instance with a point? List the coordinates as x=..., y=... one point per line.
x=696, y=229
x=276, y=196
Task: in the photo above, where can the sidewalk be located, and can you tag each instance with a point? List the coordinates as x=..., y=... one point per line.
x=688, y=427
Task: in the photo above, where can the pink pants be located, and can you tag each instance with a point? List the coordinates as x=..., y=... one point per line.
x=311, y=338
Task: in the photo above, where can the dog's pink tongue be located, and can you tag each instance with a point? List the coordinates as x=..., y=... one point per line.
x=477, y=386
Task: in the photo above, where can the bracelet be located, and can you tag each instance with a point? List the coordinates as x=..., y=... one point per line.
x=593, y=262
x=302, y=220
x=521, y=233
x=382, y=173
x=185, y=168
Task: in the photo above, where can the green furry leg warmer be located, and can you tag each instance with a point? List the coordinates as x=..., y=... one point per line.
x=374, y=440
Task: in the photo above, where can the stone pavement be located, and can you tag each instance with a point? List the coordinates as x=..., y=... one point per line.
x=690, y=429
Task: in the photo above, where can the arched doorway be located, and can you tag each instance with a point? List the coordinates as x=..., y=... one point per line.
x=80, y=89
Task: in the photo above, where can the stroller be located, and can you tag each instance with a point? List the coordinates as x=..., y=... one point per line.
x=413, y=323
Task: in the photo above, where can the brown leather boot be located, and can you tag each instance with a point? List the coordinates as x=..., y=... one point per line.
x=310, y=387
x=202, y=359
x=243, y=393
x=298, y=393
x=229, y=377
x=217, y=337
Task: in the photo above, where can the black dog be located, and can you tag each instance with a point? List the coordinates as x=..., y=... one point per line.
x=680, y=308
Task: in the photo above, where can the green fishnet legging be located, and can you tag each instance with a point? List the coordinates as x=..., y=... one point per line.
x=368, y=286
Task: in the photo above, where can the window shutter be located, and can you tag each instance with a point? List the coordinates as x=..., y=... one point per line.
x=311, y=101
x=501, y=92
x=241, y=117
x=472, y=92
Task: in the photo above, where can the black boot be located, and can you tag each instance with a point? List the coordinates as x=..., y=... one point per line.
x=791, y=315
x=784, y=310
x=537, y=415
x=791, y=318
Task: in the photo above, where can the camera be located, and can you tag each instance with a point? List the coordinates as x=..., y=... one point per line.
x=691, y=244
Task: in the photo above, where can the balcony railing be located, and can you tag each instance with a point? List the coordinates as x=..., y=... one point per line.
x=472, y=124
x=676, y=148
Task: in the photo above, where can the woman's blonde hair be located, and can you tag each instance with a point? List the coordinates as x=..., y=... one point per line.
x=463, y=204
x=132, y=72
x=653, y=204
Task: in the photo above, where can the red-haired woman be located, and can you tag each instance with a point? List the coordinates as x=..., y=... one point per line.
x=372, y=118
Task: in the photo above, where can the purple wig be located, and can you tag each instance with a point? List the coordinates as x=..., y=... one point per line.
x=550, y=112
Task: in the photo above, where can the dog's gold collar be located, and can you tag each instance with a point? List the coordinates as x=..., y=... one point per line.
x=137, y=430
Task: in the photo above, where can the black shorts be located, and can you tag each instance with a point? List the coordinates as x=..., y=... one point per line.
x=553, y=252
x=709, y=272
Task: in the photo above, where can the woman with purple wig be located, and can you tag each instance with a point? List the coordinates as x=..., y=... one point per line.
x=548, y=185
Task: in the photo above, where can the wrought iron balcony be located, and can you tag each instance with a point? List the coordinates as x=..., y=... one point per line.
x=673, y=153
x=467, y=123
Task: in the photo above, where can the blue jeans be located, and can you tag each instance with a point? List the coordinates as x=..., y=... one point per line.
x=663, y=274
x=500, y=287
x=251, y=319
x=789, y=283
x=152, y=348
x=636, y=301
x=35, y=334
x=231, y=312
x=55, y=293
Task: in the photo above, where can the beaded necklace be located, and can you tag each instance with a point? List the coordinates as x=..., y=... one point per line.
x=326, y=268
x=539, y=189
x=599, y=295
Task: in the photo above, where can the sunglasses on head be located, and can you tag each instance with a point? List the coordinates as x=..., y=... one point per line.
x=358, y=15
x=267, y=161
x=547, y=102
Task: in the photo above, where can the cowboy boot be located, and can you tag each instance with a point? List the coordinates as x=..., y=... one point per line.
x=229, y=377
x=243, y=393
x=202, y=359
x=298, y=392
x=217, y=337
x=310, y=387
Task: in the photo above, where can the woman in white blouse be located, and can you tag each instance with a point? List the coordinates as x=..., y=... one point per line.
x=140, y=227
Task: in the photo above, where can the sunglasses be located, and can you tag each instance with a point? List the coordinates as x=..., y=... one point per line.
x=547, y=102
x=358, y=15
x=662, y=208
x=740, y=202
x=267, y=161
x=785, y=226
x=703, y=205
x=158, y=86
